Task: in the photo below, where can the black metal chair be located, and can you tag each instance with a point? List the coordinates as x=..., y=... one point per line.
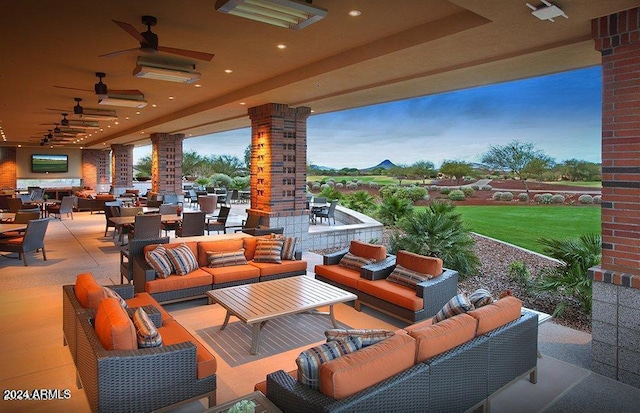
x=328, y=213
x=32, y=240
x=192, y=224
x=220, y=221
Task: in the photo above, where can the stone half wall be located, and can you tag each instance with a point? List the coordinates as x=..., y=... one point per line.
x=352, y=225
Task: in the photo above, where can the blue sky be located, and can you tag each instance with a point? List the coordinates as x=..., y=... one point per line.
x=560, y=114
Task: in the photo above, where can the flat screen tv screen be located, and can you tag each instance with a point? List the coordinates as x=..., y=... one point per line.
x=49, y=163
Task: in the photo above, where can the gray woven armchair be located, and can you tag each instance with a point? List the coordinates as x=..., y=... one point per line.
x=32, y=240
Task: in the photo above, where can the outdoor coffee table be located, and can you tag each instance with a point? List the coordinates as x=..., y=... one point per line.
x=256, y=303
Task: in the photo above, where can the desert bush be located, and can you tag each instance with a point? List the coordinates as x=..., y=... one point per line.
x=374, y=185
x=496, y=196
x=433, y=188
x=557, y=199
x=339, y=185
x=352, y=185
x=331, y=183
x=323, y=186
x=537, y=198
x=316, y=186
x=438, y=231
x=585, y=199
x=360, y=201
x=414, y=193
x=468, y=191
x=343, y=182
x=445, y=191
x=486, y=188
x=475, y=187
x=330, y=193
x=545, y=199
x=523, y=197
x=240, y=182
x=392, y=209
x=597, y=199
x=457, y=195
x=506, y=196
x=387, y=191
x=519, y=273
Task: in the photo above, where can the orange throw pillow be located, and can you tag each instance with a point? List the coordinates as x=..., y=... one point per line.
x=88, y=292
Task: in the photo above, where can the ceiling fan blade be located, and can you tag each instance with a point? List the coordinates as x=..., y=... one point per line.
x=131, y=30
x=59, y=110
x=119, y=52
x=187, y=53
x=135, y=92
x=73, y=88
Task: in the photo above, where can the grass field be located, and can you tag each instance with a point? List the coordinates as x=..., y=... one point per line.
x=523, y=225
x=379, y=179
x=588, y=184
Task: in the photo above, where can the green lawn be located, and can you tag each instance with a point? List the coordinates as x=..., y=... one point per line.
x=379, y=179
x=523, y=225
x=587, y=184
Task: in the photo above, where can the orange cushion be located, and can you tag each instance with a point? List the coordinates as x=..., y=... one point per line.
x=250, y=244
x=88, y=291
x=363, y=249
x=142, y=299
x=197, y=278
x=269, y=268
x=495, y=315
x=234, y=273
x=444, y=335
x=114, y=328
x=349, y=374
x=173, y=333
x=419, y=263
x=338, y=273
x=216, y=246
x=419, y=325
x=394, y=293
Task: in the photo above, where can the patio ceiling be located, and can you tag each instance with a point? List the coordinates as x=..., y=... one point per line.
x=394, y=50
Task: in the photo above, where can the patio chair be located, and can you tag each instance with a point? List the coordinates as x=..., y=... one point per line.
x=170, y=199
x=64, y=207
x=108, y=213
x=37, y=194
x=4, y=203
x=235, y=196
x=193, y=197
x=192, y=224
x=168, y=209
x=328, y=213
x=253, y=221
x=32, y=240
x=14, y=204
x=208, y=203
x=146, y=226
x=220, y=221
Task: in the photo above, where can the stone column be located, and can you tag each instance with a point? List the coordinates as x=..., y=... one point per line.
x=121, y=168
x=96, y=173
x=166, y=163
x=8, y=167
x=616, y=288
x=279, y=167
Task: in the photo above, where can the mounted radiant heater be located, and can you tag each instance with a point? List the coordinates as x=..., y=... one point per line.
x=549, y=12
x=289, y=14
x=122, y=102
x=166, y=70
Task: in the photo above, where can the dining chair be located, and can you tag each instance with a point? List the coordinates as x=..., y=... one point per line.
x=32, y=240
x=14, y=204
x=170, y=199
x=126, y=228
x=168, y=209
x=328, y=213
x=64, y=207
x=109, y=207
x=235, y=196
x=253, y=221
x=192, y=224
x=220, y=221
x=146, y=227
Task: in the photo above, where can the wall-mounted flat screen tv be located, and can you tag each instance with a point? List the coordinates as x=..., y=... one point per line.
x=41, y=163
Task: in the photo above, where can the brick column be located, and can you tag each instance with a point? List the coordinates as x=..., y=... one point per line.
x=279, y=167
x=121, y=168
x=616, y=287
x=8, y=167
x=96, y=173
x=166, y=163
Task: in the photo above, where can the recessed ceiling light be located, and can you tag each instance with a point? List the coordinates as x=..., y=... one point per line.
x=104, y=143
x=101, y=130
x=126, y=118
x=154, y=106
x=243, y=103
x=355, y=13
x=19, y=146
x=197, y=85
x=171, y=98
x=117, y=123
x=137, y=113
x=228, y=71
x=282, y=46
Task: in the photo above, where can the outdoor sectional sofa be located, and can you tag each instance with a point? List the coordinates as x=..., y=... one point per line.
x=196, y=283
x=132, y=380
x=450, y=366
x=93, y=204
x=370, y=283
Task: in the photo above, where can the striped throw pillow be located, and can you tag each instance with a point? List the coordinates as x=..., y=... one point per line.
x=309, y=361
x=368, y=336
x=182, y=259
x=268, y=250
x=480, y=297
x=289, y=248
x=148, y=335
x=110, y=293
x=226, y=259
x=407, y=277
x=354, y=262
x=459, y=304
x=159, y=261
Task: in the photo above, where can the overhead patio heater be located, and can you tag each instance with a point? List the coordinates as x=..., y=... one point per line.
x=289, y=14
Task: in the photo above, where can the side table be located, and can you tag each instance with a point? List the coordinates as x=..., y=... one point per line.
x=263, y=405
x=542, y=318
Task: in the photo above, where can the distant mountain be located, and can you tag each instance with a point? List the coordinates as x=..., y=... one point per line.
x=321, y=168
x=386, y=164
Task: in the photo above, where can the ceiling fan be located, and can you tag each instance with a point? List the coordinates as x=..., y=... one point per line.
x=102, y=91
x=149, y=42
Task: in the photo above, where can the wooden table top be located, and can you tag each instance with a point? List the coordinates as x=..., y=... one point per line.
x=11, y=227
x=265, y=300
x=7, y=216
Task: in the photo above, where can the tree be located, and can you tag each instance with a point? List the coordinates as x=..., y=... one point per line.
x=456, y=168
x=392, y=209
x=399, y=172
x=247, y=156
x=513, y=156
x=423, y=170
x=191, y=160
x=360, y=201
x=537, y=167
x=577, y=170
x=143, y=167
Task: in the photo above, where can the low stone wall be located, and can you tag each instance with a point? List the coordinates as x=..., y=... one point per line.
x=353, y=225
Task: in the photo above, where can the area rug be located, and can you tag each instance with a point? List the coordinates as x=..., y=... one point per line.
x=277, y=336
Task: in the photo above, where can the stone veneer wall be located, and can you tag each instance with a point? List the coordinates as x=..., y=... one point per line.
x=95, y=169
x=121, y=168
x=8, y=167
x=166, y=163
x=353, y=225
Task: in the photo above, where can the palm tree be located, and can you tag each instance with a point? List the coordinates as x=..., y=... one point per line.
x=438, y=231
x=393, y=208
x=360, y=201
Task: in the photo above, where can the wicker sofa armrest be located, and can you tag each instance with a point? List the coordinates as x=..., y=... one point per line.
x=152, y=312
x=334, y=257
x=437, y=291
x=142, y=272
x=379, y=270
x=297, y=255
x=124, y=290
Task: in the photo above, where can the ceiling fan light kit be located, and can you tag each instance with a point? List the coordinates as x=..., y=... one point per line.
x=289, y=14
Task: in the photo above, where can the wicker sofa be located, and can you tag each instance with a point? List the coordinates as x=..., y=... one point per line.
x=95, y=204
x=145, y=379
x=450, y=372
x=196, y=283
x=372, y=288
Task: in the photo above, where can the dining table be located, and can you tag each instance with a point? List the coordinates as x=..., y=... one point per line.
x=7, y=216
x=120, y=221
x=315, y=207
x=11, y=227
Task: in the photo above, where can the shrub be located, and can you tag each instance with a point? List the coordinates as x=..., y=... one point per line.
x=352, y=185
x=220, y=180
x=486, y=188
x=438, y=231
x=387, y=191
x=445, y=191
x=330, y=193
x=316, y=186
x=519, y=273
x=597, y=199
x=360, y=201
x=323, y=186
x=468, y=191
x=414, y=193
x=240, y=182
x=433, y=188
x=506, y=196
x=523, y=197
x=537, y=198
x=496, y=196
x=339, y=185
x=475, y=187
x=545, y=199
x=557, y=199
x=393, y=209
x=374, y=185
x=457, y=195
x=343, y=182
x=331, y=183
x=585, y=199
